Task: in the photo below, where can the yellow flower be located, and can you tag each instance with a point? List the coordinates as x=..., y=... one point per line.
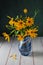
x=11, y=22
x=13, y=56
x=33, y=30
x=32, y=33
x=6, y=36
x=25, y=10
x=26, y=33
x=20, y=24
x=30, y=21
x=20, y=37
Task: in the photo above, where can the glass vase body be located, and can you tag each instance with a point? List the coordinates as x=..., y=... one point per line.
x=25, y=46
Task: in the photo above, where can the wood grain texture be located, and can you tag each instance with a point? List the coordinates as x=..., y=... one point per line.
x=14, y=50
x=8, y=49
x=4, y=50
x=26, y=60
x=37, y=51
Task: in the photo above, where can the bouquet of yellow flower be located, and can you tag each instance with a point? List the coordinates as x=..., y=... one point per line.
x=21, y=27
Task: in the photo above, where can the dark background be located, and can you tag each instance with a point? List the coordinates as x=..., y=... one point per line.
x=15, y=7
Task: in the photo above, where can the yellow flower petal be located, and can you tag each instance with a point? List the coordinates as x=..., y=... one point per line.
x=13, y=56
x=33, y=35
x=20, y=37
x=7, y=37
x=11, y=22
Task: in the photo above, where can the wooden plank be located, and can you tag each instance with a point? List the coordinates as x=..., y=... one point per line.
x=4, y=51
x=14, y=50
x=26, y=60
x=8, y=49
x=37, y=51
x=37, y=45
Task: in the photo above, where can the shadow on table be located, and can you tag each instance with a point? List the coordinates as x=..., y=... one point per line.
x=37, y=53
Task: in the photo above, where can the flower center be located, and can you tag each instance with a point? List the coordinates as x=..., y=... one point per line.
x=31, y=31
x=20, y=22
x=27, y=32
x=29, y=21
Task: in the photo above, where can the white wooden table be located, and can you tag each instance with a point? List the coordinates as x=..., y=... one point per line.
x=7, y=49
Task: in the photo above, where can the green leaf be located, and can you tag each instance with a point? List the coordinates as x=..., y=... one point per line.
x=10, y=27
x=16, y=32
x=22, y=32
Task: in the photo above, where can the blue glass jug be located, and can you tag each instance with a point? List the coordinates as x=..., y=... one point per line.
x=25, y=46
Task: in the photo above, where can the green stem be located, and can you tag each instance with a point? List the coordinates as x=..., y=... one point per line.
x=11, y=32
x=36, y=12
